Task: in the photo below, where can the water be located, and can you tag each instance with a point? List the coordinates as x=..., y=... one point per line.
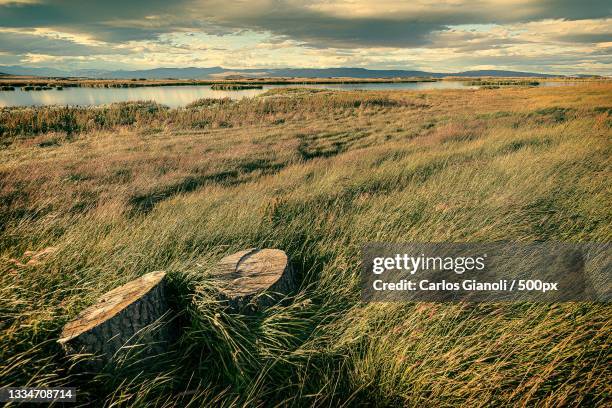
x=175, y=96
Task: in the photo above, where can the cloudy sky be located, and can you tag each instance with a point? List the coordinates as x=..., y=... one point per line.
x=553, y=36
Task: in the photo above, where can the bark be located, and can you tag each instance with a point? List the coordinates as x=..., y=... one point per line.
x=135, y=314
x=255, y=278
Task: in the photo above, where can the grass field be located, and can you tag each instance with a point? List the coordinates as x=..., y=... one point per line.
x=103, y=195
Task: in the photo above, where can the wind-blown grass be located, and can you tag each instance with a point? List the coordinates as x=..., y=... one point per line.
x=317, y=174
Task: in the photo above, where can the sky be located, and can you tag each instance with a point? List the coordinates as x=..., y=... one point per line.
x=549, y=36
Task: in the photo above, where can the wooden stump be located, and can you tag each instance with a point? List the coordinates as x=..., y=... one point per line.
x=136, y=313
x=255, y=277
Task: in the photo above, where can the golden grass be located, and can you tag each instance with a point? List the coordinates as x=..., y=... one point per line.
x=318, y=174
x=33, y=81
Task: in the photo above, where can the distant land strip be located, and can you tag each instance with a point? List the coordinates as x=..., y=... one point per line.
x=216, y=73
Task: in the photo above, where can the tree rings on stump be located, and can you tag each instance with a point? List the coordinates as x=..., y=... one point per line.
x=255, y=277
x=135, y=314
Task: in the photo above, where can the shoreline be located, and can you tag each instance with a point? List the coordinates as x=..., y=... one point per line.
x=22, y=81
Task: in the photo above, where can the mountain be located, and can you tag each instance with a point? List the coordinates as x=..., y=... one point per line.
x=182, y=73
x=219, y=72
x=18, y=70
x=344, y=73
x=498, y=73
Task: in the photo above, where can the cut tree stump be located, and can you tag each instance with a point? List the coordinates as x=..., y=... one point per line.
x=255, y=277
x=136, y=313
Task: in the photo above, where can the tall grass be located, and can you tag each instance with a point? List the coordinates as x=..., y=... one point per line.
x=20, y=122
x=317, y=174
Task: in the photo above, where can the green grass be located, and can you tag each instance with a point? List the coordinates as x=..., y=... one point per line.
x=124, y=190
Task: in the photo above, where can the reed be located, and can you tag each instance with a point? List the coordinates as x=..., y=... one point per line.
x=123, y=190
x=234, y=87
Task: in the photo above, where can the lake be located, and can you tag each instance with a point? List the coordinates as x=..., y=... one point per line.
x=176, y=96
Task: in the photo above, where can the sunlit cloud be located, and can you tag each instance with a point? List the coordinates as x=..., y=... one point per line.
x=551, y=36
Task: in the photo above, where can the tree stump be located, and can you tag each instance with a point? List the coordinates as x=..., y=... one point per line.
x=134, y=317
x=255, y=277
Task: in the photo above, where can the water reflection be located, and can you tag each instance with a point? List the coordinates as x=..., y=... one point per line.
x=175, y=96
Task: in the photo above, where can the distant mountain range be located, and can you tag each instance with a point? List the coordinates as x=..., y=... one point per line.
x=219, y=72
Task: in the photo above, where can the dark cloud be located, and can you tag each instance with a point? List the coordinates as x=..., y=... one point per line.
x=401, y=29
x=109, y=20
x=119, y=20
x=325, y=31
x=28, y=42
x=116, y=22
x=572, y=9
x=586, y=37
x=68, y=12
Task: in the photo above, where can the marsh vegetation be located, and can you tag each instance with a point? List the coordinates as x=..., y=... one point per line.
x=234, y=87
x=495, y=84
x=122, y=190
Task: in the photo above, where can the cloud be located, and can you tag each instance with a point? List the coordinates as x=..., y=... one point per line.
x=48, y=43
x=298, y=33
x=109, y=20
x=322, y=23
x=390, y=23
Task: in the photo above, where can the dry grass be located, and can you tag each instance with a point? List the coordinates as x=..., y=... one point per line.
x=318, y=174
x=32, y=81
